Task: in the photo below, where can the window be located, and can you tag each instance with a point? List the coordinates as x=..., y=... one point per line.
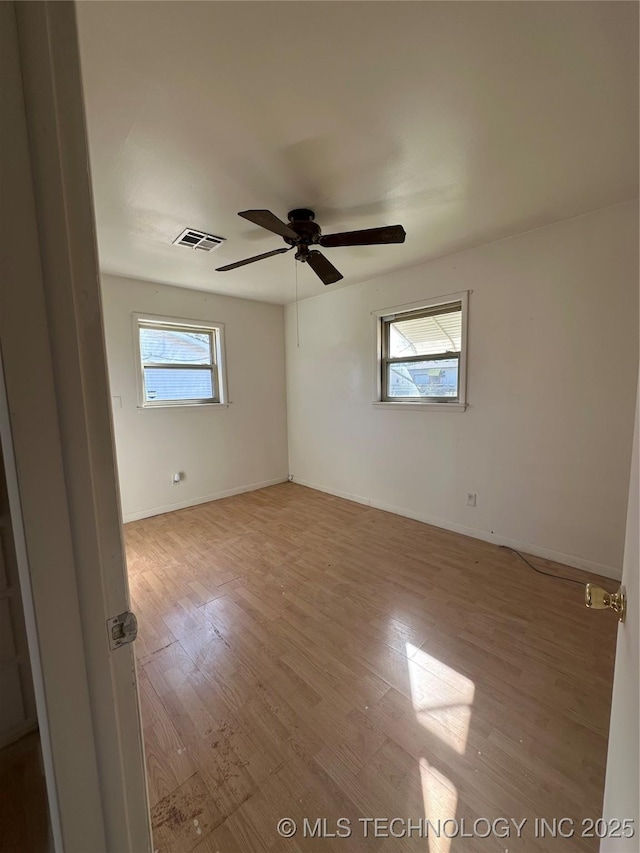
x=421, y=353
x=180, y=363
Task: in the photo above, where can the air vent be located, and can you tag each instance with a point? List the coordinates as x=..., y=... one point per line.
x=198, y=240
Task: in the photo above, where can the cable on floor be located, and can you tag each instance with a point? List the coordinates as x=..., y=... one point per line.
x=539, y=571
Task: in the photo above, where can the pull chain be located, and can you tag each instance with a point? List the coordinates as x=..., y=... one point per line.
x=297, y=314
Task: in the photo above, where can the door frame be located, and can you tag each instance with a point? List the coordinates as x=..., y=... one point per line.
x=57, y=438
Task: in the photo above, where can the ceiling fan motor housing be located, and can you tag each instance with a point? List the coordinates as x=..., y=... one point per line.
x=301, y=214
x=301, y=221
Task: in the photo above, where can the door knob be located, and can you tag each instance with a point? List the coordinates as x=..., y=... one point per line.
x=599, y=599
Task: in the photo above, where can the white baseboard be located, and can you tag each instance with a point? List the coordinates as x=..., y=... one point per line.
x=526, y=547
x=337, y=492
x=216, y=496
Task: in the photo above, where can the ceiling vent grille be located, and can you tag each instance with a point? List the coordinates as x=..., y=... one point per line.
x=198, y=240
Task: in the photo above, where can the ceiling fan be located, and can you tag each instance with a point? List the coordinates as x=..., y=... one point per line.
x=302, y=232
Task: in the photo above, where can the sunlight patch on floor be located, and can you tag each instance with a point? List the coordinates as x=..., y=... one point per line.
x=440, y=801
x=441, y=697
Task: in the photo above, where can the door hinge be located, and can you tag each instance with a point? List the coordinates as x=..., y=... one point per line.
x=122, y=629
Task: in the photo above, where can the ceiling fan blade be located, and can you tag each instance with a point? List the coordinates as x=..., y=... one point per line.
x=270, y=221
x=366, y=237
x=251, y=260
x=323, y=268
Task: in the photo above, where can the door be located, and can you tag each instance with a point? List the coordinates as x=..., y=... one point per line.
x=57, y=442
x=622, y=788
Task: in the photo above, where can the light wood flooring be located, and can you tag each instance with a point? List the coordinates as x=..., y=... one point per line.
x=304, y=656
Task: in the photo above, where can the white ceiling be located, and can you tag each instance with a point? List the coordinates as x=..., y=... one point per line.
x=463, y=121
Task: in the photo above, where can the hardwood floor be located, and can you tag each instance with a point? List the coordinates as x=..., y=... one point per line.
x=304, y=656
x=24, y=807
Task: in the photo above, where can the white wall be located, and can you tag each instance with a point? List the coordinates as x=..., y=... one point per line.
x=622, y=786
x=221, y=450
x=546, y=439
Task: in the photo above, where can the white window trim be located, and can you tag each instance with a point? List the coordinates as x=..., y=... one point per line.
x=219, y=358
x=424, y=404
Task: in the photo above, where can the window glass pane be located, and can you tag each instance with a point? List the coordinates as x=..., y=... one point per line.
x=438, y=333
x=174, y=346
x=176, y=384
x=423, y=378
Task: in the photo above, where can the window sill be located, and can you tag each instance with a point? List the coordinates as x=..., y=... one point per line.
x=402, y=404
x=182, y=406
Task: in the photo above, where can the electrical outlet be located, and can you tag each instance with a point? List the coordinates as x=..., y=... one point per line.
x=177, y=477
x=471, y=498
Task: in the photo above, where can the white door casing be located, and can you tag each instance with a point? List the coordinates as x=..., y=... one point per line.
x=59, y=427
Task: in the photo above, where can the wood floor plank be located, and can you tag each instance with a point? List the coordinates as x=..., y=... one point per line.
x=304, y=656
x=183, y=817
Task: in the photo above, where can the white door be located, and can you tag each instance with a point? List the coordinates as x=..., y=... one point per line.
x=622, y=788
x=57, y=442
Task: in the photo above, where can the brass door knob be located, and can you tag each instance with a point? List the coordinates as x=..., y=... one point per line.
x=599, y=599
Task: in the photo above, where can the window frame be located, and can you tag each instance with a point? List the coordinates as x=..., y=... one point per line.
x=216, y=366
x=383, y=320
